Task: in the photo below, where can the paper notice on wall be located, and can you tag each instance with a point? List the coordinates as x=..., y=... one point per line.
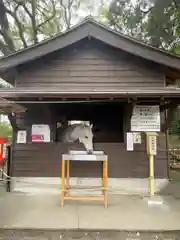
x=21, y=136
x=40, y=133
x=145, y=119
x=129, y=141
x=137, y=137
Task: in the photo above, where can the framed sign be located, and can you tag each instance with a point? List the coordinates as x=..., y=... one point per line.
x=145, y=119
x=21, y=136
x=40, y=133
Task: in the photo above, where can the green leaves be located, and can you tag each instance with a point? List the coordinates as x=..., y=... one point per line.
x=26, y=22
x=6, y=131
x=154, y=22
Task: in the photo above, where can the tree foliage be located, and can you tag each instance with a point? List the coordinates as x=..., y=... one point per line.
x=6, y=131
x=27, y=22
x=154, y=22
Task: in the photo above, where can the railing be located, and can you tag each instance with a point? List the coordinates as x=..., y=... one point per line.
x=174, y=154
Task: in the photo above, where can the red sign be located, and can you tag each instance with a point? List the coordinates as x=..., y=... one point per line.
x=40, y=133
x=3, y=149
x=37, y=138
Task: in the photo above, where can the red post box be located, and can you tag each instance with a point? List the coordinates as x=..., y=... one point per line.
x=3, y=151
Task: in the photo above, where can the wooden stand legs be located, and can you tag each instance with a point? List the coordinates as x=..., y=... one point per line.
x=68, y=178
x=66, y=188
x=62, y=182
x=105, y=182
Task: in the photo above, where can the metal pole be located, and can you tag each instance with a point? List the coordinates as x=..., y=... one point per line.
x=9, y=168
x=151, y=175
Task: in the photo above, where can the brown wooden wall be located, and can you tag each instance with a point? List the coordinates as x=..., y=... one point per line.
x=90, y=65
x=44, y=160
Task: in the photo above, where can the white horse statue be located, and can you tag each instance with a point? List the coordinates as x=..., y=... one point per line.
x=79, y=131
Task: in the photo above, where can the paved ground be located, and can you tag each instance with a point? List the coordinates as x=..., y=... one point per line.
x=123, y=213
x=173, y=188
x=85, y=235
x=46, y=220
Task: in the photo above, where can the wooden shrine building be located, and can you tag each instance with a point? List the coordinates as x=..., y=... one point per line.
x=88, y=73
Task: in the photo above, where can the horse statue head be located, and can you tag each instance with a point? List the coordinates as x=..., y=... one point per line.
x=85, y=136
x=81, y=132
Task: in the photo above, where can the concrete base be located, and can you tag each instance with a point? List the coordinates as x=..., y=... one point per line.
x=154, y=200
x=116, y=185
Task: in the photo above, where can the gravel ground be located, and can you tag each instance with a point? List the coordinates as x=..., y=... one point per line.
x=84, y=235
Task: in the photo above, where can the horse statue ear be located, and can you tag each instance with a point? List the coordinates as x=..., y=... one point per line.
x=80, y=140
x=58, y=125
x=91, y=126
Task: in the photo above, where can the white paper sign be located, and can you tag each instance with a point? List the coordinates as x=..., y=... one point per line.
x=145, y=119
x=137, y=137
x=153, y=145
x=40, y=133
x=21, y=136
x=129, y=143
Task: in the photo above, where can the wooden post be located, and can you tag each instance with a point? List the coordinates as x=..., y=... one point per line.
x=105, y=177
x=68, y=177
x=9, y=168
x=62, y=184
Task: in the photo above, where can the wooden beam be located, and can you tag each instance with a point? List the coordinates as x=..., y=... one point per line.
x=10, y=106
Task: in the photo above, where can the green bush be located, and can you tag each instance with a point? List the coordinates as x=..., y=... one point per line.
x=6, y=131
